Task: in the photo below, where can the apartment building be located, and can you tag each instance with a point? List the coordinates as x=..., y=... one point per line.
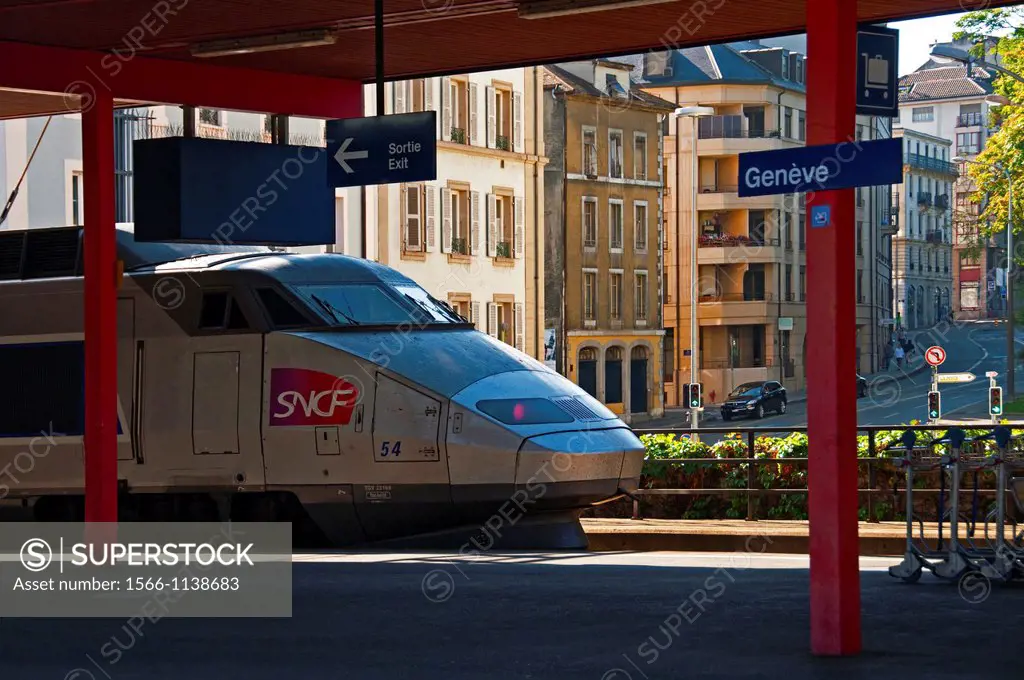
x=750, y=281
x=474, y=236
x=603, y=197
x=949, y=102
x=922, y=248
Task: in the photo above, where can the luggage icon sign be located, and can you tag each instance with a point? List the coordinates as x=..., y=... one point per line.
x=876, y=73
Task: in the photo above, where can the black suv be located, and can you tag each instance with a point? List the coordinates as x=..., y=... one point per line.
x=753, y=399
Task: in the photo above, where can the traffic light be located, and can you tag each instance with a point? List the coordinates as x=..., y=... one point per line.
x=934, y=405
x=995, y=401
x=693, y=394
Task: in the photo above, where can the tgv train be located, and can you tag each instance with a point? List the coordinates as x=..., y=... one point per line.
x=324, y=390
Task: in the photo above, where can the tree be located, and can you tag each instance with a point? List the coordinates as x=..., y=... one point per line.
x=1005, y=148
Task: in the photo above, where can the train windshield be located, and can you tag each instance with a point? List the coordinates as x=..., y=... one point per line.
x=359, y=304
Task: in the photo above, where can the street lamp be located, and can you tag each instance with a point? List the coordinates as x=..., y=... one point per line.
x=692, y=112
x=1011, y=345
x=947, y=54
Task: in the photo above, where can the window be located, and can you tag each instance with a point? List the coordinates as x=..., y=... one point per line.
x=787, y=126
x=524, y=411
x=615, y=224
x=615, y=153
x=502, y=119
x=860, y=285
x=639, y=226
x=281, y=312
x=615, y=301
x=589, y=295
x=417, y=95
x=923, y=114
x=414, y=218
x=458, y=101
x=639, y=155
x=590, y=152
x=968, y=142
x=219, y=311
x=788, y=283
x=801, y=123
x=503, y=226
x=640, y=295
x=803, y=235
x=803, y=283
x=77, y=200
x=589, y=222
x=462, y=305
x=459, y=205
x=209, y=117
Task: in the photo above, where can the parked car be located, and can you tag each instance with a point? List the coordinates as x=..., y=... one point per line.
x=862, y=386
x=754, y=399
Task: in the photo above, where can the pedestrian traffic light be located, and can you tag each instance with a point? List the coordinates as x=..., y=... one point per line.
x=934, y=405
x=995, y=401
x=693, y=394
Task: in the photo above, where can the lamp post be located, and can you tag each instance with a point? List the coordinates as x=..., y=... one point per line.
x=693, y=113
x=1011, y=359
x=946, y=54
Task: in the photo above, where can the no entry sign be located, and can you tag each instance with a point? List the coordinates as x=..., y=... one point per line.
x=935, y=356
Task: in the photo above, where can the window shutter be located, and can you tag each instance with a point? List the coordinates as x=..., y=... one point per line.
x=428, y=94
x=492, y=133
x=520, y=233
x=583, y=220
x=400, y=97
x=403, y=210
x=430, y=215
x=474, y=214
x=517, y=122
x=471, y=134
x=520, y=326
x=446, y=220
x=474, y=310
x=446, y=109
x=492, y=319
x=492, y=226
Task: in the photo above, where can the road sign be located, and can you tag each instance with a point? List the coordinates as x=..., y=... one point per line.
x=955, y=377
x=821, y=216
x=935, y=355
x=877, y=82
x=991, y=374
x=821, y=168
x=382, y=149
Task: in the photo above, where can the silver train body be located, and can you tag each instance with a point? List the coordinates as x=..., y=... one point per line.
x=250, y=388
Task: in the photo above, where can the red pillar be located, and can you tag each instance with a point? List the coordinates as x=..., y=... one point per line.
x=832, y=409
x=100, y=309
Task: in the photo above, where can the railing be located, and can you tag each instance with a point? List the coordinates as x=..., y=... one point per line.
x=924, y=198
x=878, y=458
x=736, y=297
x=928, y=163
x=719, y=189
x=730, y=127
x=731, y=241
x=460, y=246
x=934, y=236
x=942, y=201
x=502, y=142
x=458, y=135
x=503, y=249
x=967, y=149
x=969, y=119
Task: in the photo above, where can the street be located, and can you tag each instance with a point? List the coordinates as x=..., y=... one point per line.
x=972, y=347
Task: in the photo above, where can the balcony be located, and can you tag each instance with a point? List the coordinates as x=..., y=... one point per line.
x=733, y=308
x=724, y=135
x=970, y=120
x=934, y=236
x=924, y=199
x=730, y=249
x=916, y=160
x=719, y=197
x=942, y=202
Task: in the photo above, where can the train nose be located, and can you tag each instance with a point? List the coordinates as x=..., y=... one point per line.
x=580, y=467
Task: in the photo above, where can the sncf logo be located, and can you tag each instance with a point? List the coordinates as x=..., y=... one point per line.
x=302, y=397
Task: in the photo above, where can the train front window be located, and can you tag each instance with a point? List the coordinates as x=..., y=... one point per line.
x=358, y=304
x=438, y=311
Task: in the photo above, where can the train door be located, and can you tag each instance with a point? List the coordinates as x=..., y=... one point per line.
x=128, y=384
x=410, y=490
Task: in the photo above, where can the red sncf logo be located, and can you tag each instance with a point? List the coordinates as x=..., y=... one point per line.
x=299, y=397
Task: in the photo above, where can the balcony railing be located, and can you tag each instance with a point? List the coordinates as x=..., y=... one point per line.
x=754, y=296
x=502, y=142
x=731, y=241
x=719, y=189
x=503, y=249
x=916, y=160
x=942, y=201
x=458, y=135
x=969, y=119
x=730, y=127
x=934, y=236
x=924, y=198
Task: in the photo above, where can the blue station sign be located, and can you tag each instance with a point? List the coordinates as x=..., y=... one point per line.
x=382, y=149
x=821, y=168
x=877, y=83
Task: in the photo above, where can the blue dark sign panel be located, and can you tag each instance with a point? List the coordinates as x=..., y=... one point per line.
x=821, y=216
x=194, y=190
x=382, y=149
x=821, y=168
x=877, y=83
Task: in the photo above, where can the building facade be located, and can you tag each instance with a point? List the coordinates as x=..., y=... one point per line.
x=750, y=282
x=603, y=195
x=922, y=248
x=952, y=103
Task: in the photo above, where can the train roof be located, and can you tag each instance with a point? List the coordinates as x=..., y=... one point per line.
x=55, y=252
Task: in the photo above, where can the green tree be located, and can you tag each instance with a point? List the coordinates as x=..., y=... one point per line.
x=1004, y=148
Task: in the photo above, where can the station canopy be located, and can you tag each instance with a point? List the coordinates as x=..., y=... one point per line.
x=422, y=37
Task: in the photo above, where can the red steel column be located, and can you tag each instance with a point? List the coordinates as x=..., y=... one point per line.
x=832, y=408
x=100, y=308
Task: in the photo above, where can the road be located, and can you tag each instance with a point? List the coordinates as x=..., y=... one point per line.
x=568, y=616
x=974, y=347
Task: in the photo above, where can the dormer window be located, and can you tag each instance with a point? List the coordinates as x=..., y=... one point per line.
x=785, y=64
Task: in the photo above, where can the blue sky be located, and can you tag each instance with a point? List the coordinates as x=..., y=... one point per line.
x=918, y=34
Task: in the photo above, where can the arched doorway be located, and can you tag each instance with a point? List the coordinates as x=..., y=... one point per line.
x=638, y=380
x=587, y=371
x=613, y=375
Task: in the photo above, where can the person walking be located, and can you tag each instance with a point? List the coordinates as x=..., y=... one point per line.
x=887, y=355
x=899, y=356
